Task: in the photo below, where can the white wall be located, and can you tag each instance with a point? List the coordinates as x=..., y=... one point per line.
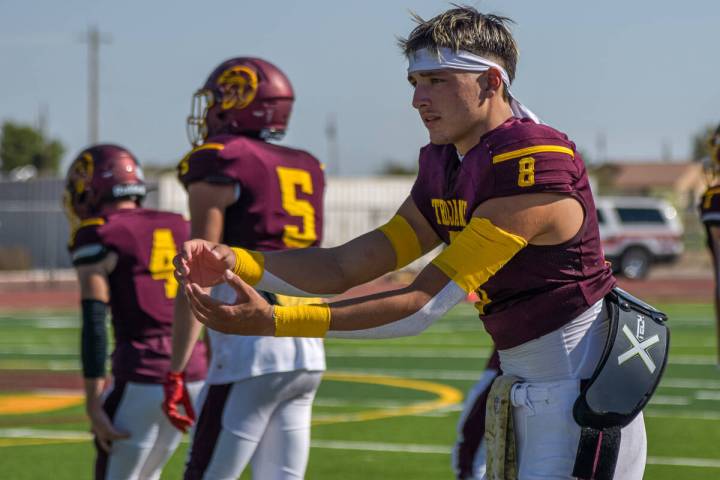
x=353, y=205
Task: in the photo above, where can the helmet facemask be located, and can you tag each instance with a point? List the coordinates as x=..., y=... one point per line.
x=197, y=130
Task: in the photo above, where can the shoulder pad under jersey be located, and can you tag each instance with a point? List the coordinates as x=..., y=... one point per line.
x=86, y=244
x=205, y=163
x=532, y=158
x=710, y=206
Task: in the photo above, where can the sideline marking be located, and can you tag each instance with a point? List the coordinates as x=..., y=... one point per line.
x=448, y=396
x=53, y=436
x=36, y=403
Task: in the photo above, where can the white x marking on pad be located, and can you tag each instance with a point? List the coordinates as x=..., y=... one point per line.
x=639, y=349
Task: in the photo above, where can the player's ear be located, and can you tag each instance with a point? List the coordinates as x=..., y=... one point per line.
x=490, y=82
x=494, y=80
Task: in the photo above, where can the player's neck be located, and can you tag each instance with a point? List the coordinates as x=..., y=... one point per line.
x=497, y=115
x=120, y=205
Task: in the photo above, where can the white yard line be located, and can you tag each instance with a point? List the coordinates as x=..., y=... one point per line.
x=71, y=435
x=669, y=400
x=651, y=412
x=706, y=395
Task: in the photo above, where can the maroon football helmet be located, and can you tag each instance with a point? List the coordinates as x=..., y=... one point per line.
x=242, y=96
x=100, y=174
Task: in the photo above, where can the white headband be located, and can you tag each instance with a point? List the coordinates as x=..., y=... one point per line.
x=426, y=60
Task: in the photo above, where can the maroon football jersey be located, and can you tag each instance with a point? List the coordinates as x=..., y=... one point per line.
x=142, y=288
x=542, y=287
x=281, y=191
x=710, y=211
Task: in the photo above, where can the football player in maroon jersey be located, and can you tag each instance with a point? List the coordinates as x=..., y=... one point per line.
x=123, y=255
x=710, y=216
x=511, y=199
x=250, y=193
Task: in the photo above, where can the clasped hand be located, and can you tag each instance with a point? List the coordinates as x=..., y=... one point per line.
x=203, y=264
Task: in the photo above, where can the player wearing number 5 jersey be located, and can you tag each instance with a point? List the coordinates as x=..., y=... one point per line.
x=123, y=256
x=249, y=193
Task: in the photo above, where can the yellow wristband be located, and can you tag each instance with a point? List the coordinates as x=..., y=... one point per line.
x=302, y=320
x=403, y=240
x=477, y=253
x=249, y=265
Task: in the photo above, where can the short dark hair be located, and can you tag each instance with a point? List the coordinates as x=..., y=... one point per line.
x=465, y=28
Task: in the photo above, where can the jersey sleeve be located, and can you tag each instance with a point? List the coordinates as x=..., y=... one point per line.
x=86, y=246
x=710, y=207
x=551, y=167
x=206, y=163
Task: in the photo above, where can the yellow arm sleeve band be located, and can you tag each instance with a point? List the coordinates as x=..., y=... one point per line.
x=302, y=320
x=477, y=253
x=249, y=265
x=403, y=240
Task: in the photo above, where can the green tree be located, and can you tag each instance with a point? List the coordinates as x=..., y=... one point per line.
x=700, y=146
x=22, y=145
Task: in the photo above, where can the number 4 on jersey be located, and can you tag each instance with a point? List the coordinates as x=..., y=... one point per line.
x=161, y=256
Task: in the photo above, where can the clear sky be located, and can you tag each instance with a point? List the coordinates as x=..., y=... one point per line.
x=643, y=73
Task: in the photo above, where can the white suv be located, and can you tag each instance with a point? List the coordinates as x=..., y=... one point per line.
x=638, y=231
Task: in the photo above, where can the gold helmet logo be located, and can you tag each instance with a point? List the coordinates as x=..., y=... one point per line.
x=82, y=171
x=238, y=86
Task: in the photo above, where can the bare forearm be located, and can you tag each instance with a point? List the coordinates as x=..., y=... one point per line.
x=185, y=333
x=325, y=271
x=376, y=310
x=93, y=391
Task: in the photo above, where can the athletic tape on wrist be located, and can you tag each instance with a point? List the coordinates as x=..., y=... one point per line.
x=302, y=320
x=477, y=253
x=403, y=239
x=249, y=265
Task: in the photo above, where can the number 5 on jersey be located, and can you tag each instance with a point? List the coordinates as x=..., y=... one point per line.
x=290, y=180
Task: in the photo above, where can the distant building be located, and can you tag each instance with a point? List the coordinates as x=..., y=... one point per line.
x=680, y=183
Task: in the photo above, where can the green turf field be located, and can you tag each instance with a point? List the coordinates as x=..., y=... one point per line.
x=387, y=409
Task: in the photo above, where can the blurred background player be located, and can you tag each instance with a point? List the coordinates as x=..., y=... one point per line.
x=710, y=216
x=469, y=455
x=249, y=193
x=123, y=255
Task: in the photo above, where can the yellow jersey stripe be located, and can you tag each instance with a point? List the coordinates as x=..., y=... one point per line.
x=530, y=150
x=209, y=146
x=91, y=221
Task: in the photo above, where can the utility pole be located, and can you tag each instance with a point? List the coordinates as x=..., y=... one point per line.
x=94, y=38
x=42, y=119
x=601, y=147
x=333, y=159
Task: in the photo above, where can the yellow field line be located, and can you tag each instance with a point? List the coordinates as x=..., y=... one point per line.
x=31, y=442
x=448, y=396
x=36, y=403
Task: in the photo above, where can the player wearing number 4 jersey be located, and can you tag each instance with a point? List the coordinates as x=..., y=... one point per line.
x=123, y=256
x=261, y=196
x=511, y=198
x=710, y=216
